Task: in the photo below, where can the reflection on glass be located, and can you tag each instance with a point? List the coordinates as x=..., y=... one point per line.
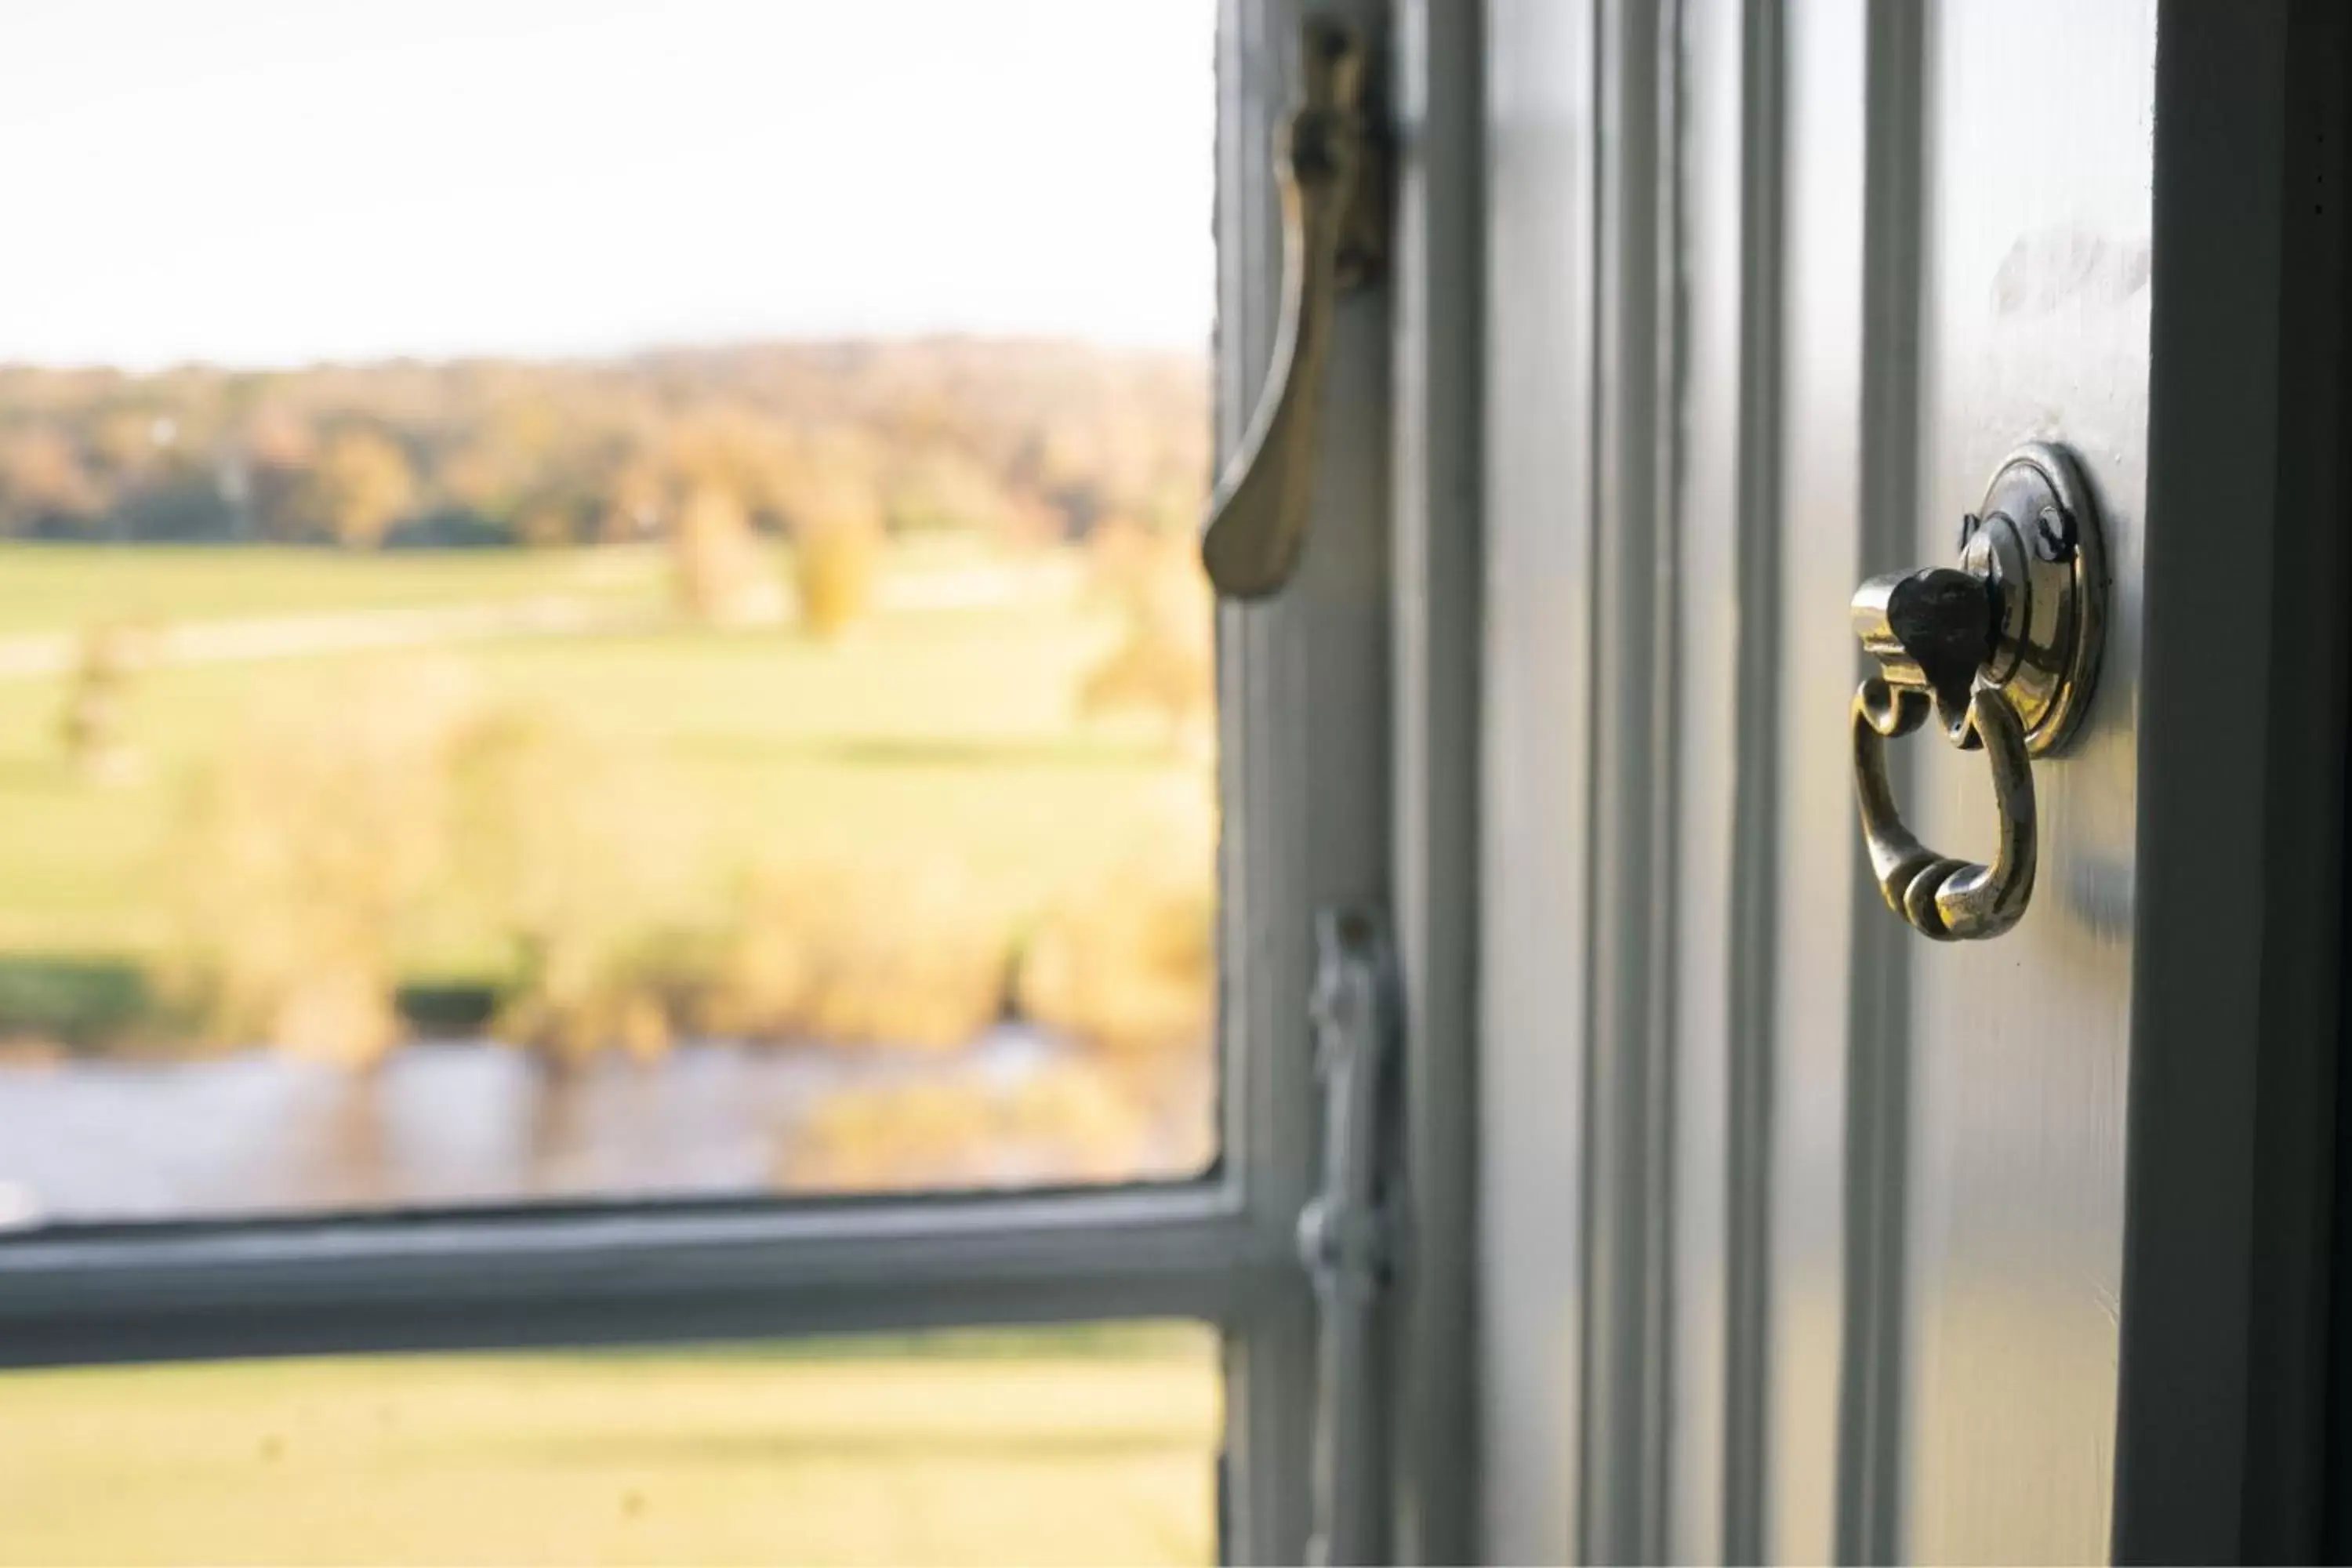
x=579, y=649
x=1087, y=1445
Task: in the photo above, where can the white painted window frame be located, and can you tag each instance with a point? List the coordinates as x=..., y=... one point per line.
x=1310, y=743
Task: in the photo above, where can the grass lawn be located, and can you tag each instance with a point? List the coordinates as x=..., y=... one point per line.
x=64, y=587
x=1088, y=1446
x=944, y=737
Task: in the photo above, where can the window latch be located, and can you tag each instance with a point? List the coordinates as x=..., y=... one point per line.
x=1331, y=174
x=2004, y=648
x=1346, y=1233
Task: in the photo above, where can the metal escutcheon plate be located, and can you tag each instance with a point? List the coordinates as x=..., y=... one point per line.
x=2037, y=539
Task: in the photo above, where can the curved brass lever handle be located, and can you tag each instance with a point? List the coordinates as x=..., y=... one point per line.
x=1330, y=242
x=2004, y=649
x=1949, y=899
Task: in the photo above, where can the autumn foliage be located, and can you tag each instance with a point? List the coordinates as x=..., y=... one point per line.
x=1022, y=441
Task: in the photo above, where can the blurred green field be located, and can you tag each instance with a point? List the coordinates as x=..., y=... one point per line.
x=937, y=737
x=1082, y=1445
x=64, y=587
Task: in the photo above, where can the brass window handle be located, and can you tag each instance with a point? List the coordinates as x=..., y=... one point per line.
x=1324, y=159
x=1941, y=896
x=2004, y=649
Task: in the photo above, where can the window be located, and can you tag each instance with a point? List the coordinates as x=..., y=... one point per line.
x=561, y=651
x=909, y=1448
x=611, y=1176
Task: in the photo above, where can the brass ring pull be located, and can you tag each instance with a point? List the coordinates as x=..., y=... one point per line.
x=2003, y=649
x=1949, y=899
x=1332, y=238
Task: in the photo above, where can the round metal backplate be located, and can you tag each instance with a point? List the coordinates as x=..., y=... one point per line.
x=2037, y=539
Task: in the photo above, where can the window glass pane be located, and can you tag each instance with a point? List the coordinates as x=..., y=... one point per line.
x=599, y=600
x=1085, y=1445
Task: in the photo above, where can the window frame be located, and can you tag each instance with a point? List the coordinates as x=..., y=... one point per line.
x=1305, y=757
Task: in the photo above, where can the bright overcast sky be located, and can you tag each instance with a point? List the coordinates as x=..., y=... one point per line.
x=280, y=181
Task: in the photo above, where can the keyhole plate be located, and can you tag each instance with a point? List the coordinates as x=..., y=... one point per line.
x=2038, y=542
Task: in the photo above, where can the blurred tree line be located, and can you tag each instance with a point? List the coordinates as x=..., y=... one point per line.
x=1021, y=441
